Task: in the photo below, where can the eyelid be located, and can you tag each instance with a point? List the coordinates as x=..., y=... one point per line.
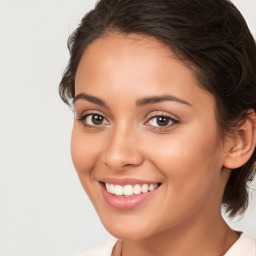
x=161, y=113
x=91, y=112
x=174, y=119
x=155, y=114
x=87, y=113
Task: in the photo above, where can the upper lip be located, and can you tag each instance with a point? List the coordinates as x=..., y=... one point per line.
x=126, y=181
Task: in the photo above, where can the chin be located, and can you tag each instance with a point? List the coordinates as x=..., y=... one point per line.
x=128, y=234
x=129, y=229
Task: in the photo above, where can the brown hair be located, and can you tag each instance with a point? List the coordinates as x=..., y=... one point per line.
x=209, y=36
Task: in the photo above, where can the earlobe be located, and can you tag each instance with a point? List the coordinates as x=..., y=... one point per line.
x=243, y=142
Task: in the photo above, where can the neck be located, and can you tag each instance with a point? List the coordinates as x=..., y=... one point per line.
x=196, y=238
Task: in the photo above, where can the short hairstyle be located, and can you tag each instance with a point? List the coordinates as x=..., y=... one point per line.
x=209, y=36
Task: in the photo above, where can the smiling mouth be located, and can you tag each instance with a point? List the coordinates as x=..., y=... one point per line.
x=130, y=190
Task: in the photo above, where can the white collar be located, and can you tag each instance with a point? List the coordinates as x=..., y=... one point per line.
x=244, y=246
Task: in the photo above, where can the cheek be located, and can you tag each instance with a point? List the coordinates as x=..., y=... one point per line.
x=84, y=152
x=187, y=166
x=184, y=152
x=190, y=164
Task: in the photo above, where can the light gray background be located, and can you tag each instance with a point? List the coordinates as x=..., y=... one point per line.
x=43, y=209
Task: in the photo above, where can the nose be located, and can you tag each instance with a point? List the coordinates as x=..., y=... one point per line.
x=122, y=150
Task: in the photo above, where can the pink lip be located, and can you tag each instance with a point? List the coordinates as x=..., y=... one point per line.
x=126, y=202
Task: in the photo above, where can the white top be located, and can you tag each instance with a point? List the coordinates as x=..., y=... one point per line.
x=244, y=246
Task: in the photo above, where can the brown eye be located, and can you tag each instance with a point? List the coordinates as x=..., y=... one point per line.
x=93, y=120
x=97, y=119
x=162, y=120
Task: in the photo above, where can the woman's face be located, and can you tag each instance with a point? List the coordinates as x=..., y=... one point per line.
x=144, y=126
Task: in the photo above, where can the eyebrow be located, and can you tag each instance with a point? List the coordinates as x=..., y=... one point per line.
x=92, y=99
x=156, y=99
x=141, y=102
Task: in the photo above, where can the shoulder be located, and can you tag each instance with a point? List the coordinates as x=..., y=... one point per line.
x=245, y=245
x=104, y=249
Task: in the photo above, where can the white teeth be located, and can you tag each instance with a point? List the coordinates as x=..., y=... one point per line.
x=151, y=187
x=112, y=189
x=119, y=191
x=137, y=189
x=144, y=188
x=129, y=190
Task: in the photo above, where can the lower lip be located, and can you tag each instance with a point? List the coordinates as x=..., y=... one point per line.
x=125, y=202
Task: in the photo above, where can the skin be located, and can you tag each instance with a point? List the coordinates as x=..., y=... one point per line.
x=183, y=217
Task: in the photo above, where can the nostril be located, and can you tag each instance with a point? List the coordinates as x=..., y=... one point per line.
x=122, y=153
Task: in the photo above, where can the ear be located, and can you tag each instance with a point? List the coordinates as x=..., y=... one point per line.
x=241, y=146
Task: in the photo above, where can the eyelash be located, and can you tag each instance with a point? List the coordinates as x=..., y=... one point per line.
x=171, y=121
x=95, y=126
x=83, y=118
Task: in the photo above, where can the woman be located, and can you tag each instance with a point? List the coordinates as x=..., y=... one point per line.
x=164, y=93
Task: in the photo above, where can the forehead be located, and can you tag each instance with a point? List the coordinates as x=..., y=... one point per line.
x=118, y=52
x=137, y=66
